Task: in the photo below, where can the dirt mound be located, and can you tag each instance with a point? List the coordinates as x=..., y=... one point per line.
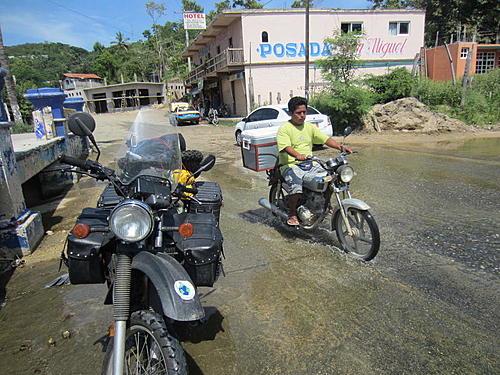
x=410, y=115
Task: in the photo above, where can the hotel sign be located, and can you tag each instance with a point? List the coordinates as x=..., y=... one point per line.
x=194, y=21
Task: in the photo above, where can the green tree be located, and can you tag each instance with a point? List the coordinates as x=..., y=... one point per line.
x=120, y=41
x=219, y=7
x=191, y=6
x=302, y=3
x=156, y=11
x=339, y=66
x=247, y=4
x=397, y=84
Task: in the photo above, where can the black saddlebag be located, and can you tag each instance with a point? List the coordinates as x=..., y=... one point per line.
x=85, y=263
x=210, y=197
x=202, y=250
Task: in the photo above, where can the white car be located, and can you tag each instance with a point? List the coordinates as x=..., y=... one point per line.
x=275, y=115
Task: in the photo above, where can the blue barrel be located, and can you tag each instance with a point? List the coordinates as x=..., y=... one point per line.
x=47, y=97
x=75, y=103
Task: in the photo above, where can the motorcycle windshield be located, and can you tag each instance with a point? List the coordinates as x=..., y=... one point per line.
x=152, y=147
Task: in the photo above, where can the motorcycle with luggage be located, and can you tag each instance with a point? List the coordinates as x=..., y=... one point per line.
x=351, y=219
x=153, y=237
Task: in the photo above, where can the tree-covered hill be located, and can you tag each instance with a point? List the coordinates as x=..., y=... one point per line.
x=41, y=64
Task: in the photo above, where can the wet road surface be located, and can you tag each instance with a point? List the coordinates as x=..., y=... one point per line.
x=292, y=302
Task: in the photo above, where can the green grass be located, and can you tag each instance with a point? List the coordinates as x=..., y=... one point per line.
x=227, y=122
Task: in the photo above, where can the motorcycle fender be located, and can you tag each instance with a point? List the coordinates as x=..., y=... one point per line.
x=179, y=298
x=355, y=203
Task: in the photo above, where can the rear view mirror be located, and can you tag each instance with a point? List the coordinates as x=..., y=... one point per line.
x=81, y=124
x=206, y=164
x=347, y=131
x=244, y=119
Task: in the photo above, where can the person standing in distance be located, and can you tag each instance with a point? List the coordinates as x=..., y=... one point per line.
x=295, y=142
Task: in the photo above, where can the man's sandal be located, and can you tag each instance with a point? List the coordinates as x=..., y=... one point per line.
x=293, y=221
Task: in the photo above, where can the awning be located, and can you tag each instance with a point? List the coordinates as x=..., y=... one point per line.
x=194, y=92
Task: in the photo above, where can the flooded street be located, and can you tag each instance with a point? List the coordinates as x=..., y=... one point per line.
x=292, y=302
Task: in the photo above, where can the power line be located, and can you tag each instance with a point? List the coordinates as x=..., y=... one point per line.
x=86, y=16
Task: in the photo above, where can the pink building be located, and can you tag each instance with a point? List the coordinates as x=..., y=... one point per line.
x=246, y=58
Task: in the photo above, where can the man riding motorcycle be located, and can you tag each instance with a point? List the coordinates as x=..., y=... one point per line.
x=295, y=141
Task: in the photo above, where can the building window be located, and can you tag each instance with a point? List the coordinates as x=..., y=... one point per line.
x=230, y=42
x=464, y=53
x=265, y=37
x=485, y=61
x=399, y=28
x=347, y=27
x=218, y=50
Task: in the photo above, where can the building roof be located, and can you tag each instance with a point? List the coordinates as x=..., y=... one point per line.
x=79, y=75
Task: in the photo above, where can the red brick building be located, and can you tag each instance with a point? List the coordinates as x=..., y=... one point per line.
x=448, y=62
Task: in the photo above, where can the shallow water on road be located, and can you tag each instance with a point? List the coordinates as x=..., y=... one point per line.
x=293, y=303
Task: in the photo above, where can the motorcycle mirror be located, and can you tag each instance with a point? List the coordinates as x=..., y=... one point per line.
x=206, y=164
x=81, y=124
x=347, y=131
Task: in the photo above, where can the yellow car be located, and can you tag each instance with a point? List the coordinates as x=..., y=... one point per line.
x=185, y=115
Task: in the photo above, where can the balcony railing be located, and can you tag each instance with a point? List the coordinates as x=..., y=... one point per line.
x=231, y=57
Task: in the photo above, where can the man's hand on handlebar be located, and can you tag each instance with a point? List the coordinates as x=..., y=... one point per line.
x=301, y=157
x=346, y=149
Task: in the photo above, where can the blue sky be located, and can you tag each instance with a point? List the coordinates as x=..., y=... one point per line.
x=81, y=23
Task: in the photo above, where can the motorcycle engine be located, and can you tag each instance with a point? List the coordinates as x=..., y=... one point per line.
x=311, y=208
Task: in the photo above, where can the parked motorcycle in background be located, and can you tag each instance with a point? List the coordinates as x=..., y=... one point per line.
x=154, y=237
x=224, y=111
x=213, y=116
x=356, y=228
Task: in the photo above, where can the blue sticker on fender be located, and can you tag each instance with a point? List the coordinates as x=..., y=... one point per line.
x=184, y=289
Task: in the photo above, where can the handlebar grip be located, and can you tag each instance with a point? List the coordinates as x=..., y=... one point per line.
x=75, y=162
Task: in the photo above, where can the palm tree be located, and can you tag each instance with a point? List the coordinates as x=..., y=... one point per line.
x=9, y=83
x=120, y=41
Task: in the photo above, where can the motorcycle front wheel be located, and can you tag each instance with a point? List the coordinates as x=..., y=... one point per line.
x=149, y=348
x=364, y=242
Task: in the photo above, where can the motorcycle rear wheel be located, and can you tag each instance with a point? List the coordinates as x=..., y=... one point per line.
x=149, y=348
x=365, y=241
x=276, y=197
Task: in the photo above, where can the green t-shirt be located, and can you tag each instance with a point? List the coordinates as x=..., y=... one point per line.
x=301, y=138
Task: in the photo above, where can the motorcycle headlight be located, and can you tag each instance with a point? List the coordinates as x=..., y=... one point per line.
x=346, y=173
x=131, y=220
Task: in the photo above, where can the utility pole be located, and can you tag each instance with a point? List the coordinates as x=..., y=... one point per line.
x=187, y=45
x=9, y=83
x=306, y=85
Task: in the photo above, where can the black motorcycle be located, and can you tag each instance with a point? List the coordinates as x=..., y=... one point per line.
x=153, y=239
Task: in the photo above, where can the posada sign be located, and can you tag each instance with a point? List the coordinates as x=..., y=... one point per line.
x=194, y=21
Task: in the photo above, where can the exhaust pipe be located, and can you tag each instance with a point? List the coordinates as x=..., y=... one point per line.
x=271, y=207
